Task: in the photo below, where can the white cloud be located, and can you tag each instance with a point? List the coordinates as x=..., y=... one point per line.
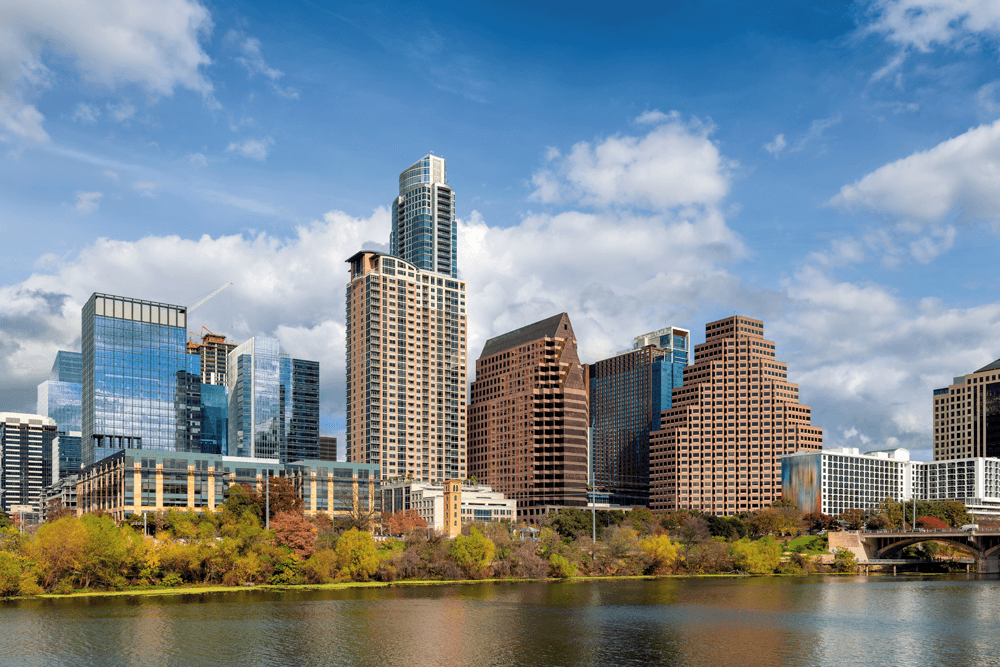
x=676, y=164
x=813, y=134
x=197, y=160
x=986, y=97
x=252, y=58
x=146, y=188
x=86, y=114
x=656, y=117
x=960, y=175
x=923, y=24
x=122, y=111
x=151, y=43
x=87, y=202
x=113, y=175
x=777, y=146
x=255, y=149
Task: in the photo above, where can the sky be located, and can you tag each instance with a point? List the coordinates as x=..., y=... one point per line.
x=830, y=168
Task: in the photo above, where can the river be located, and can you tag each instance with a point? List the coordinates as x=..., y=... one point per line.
x=747, y=622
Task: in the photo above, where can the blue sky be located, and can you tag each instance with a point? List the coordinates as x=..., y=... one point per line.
x=829, y=168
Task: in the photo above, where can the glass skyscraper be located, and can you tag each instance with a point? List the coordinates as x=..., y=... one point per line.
x=627, y=394
x=137, y=378
x=273, y=403
x=424, y=230
x=59, y=398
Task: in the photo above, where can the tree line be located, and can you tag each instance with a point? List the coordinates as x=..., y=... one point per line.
x=232, y=546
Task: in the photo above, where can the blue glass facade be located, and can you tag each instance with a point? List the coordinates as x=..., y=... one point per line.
x=59, y=398
x=214, y=419
x=424, y=230
x=273, y=403
x=627, y=394
x=137, y=377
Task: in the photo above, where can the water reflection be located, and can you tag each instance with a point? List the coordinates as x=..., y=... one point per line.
x=746, y=622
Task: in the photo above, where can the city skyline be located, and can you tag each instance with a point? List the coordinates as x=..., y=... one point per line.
x=821, y=168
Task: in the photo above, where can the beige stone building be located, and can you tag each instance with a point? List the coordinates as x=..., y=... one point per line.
x=138, y=481
x=528, y=414
x=406, y=377
x=719, y=447
x=967, y=415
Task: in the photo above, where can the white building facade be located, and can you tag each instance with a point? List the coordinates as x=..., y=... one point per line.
x=478, y=502
x=834, y=480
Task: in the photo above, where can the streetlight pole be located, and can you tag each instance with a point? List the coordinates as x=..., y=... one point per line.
x=267, y=501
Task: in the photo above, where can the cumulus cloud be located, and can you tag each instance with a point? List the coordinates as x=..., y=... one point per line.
x=154, y=44
x=87, y=202
x=675, y=164
x=960, y=175
x=197, y=160
x=924, y=24
x=255, y=149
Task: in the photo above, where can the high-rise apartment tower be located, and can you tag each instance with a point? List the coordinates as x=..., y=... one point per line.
x=627, y=394
x=406, y=360
x=214, y=352
x=967, y=415
x=26, y=457
x=719, y=447
x=528, y=418
x=424, y=231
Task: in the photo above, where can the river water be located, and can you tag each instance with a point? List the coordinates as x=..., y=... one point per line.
x=747, y=622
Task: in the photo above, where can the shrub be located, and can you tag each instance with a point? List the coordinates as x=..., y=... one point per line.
x=560, y=567
x=662, y=553
x=473, y=553
x=356, y=555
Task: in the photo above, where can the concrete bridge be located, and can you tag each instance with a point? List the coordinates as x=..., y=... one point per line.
x=874, y=547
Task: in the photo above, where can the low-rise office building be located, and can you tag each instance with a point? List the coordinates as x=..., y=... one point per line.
x=437, y=503
x=834, y=480
x=57, y=496
x=134, y=482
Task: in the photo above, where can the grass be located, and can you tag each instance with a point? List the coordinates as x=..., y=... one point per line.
x=809, y=545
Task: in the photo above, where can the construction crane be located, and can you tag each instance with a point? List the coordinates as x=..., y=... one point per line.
x=209, y=297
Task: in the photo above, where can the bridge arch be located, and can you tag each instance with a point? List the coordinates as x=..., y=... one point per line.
x=893, y=548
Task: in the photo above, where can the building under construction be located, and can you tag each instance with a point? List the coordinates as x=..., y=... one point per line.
x=213, y=350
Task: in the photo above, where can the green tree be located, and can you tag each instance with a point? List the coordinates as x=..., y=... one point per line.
x=58, y=551
x=560, y=567
x=893, y=511
x=473, y=552
x=845, y=561
x=357, y=556
x=662, y=553
x=760, y=557
x=239, y=502
x=853, y=518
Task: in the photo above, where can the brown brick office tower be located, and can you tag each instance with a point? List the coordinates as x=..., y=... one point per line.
x=718, y=448
x=528, y=417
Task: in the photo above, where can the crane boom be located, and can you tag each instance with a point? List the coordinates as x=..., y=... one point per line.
x=209, y=297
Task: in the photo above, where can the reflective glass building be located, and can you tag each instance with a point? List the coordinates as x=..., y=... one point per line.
x=273, y=403
x=424, y=231
x=138, y=381
x=627, y=394
x=59, y=398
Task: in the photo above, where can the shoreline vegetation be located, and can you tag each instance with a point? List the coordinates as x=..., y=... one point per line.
x=230, y=550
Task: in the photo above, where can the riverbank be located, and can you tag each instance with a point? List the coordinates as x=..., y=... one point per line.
x=198, y=590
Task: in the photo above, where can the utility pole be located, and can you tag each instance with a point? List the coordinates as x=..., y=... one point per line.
x=145, y=531
x=267, y=501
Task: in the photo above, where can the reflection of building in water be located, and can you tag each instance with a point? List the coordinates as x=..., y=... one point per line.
x=834, y=480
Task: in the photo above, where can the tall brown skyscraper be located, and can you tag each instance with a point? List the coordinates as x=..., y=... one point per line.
x=528, y=417
x=718, y=448
x=405, y=369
